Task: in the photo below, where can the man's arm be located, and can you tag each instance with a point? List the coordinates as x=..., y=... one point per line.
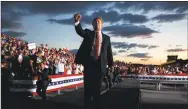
x=31, y=65
x=109, y=55
x=78, y=26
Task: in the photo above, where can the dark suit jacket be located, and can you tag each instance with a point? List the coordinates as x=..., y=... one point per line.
x=24, y=65
x=43, y=75
x=84, y=52
x=5, y=79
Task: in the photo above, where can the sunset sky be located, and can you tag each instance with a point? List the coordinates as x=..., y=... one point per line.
x=141, y=32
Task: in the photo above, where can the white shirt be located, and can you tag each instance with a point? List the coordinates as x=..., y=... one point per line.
x=186, y=65
x=100, y=35
x=69, y=70
x=46, y=66
x=61, y=66
x=77, y=69
x=81, y=68
x=20, y=58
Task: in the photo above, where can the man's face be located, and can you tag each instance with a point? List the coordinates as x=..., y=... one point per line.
x=33, y=51
x=13, y=48
x=3, y=36
x=21, y=52
x=12, y=53
x=54, y=55
x=46, y=54
x=19, y=43
x=97, y=25
x=26, y=53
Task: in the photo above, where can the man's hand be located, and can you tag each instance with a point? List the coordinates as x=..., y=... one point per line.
x=77, y=17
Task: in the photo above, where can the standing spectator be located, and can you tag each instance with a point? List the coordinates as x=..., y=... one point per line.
x=81, y=69
x=69, y=69
x=74, y=68
x=61, y=65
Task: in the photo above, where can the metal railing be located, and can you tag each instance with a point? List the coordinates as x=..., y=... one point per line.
x=159, y=80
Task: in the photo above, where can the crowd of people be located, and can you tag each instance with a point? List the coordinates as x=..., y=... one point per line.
x=129, y=68
x=23, y=61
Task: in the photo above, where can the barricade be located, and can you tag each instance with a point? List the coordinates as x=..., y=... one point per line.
x=161, y=79
x=59, y=82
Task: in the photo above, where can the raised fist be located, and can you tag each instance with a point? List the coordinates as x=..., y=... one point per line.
x=77, y=17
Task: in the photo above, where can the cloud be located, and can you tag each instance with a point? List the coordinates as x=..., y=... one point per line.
x=123, y=45
x=54, y=8
x=11, y=19
x=176, y=50
x=134, y=18
x=14, y=33
x=62, y=8
x=110, y=17
x=63, y=21
x=122, y=51
x=139, y=55
x=152, y=46
x=70, y=21
x=114, y=53
x=114, y=16
x=162, y=18
x=59, y=7
x=179, y=7
x=12, y=12
x=129, y=31
x=10, y=24
x=146, y=59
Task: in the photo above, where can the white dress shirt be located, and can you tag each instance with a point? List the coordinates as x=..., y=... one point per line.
x=61, y=66
x=77, y=69
x=69, y=70
x=100, y=35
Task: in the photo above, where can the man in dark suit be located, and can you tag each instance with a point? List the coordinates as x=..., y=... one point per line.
x=109, y=77
x=94, y=54
x=43, y=81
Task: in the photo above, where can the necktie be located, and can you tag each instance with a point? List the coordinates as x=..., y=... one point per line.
x=97, y=45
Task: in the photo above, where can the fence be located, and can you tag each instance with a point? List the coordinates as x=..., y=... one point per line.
x=161, y=79
x=58, y=83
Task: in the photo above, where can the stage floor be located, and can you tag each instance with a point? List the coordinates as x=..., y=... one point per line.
x=121, y=96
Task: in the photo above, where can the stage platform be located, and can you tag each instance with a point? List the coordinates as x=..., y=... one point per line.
x=122, y=96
